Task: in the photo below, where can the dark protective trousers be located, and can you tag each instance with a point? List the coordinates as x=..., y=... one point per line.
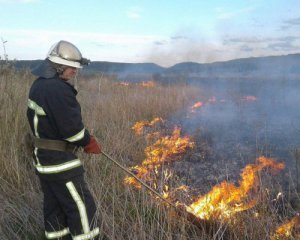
x=69, y=209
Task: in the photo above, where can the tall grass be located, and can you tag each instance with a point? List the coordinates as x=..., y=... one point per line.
x=109, y=111
x=20, y=198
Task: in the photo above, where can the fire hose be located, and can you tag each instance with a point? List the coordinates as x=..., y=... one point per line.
x=139, y=180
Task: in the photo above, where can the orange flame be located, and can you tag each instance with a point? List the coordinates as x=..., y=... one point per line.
x=226, y=199
x=223, y=201
x=249, y=98
x=139, y=126
x=213, y=100
x=285, y=230
x=164, y=150
x=196, y=105
x=148, y=84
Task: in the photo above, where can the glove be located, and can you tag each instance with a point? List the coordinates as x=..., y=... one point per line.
x=93, y=146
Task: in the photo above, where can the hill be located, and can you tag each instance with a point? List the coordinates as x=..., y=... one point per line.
x=256, y=66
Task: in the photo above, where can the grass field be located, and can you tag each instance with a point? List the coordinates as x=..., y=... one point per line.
x=109, y=110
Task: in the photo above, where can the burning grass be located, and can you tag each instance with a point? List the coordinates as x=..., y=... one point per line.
x=163, y=150
x=226, y=199
x=288, y=230
x=222, y=202
x=110, y=111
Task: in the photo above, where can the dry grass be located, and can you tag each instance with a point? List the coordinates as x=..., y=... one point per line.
x=109, y=111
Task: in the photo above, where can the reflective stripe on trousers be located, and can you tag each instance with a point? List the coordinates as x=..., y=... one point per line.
x=87, y=236
x=87, y=233
x=68, y=204
x=66, y=231
x=57, y=234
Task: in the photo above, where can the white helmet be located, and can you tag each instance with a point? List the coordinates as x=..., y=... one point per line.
x=67, y=54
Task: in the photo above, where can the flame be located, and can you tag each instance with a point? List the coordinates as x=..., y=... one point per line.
x=213, y=100
x=139, y=126
x=182, y=188
x=222, y=202
x=163, y=150
x=196, y=105
x=166, y=147
x=148, y=84
x=249, y=98
x=226, y=199
x=124, y=83
x=285, y=230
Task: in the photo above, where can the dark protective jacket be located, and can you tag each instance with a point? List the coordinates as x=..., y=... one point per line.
x=54, y=113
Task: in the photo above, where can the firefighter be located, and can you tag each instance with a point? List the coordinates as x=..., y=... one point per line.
x=55, y=119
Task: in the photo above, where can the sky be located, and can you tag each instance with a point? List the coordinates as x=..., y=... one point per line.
x=164, y=32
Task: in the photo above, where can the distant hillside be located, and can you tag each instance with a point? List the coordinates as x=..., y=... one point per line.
x=26, y=63
x=273, y=66
x=259, y=66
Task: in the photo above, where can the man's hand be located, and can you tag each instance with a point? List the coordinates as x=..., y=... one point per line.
x=93, y=146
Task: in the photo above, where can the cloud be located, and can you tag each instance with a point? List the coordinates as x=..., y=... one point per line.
x=246, y=48
x=163, y=50
x=179, y=48
x=160, y=42
x=282, y=46
x=249, y=40
x=134, y=13
x=43, y=36
x=264, y=46
x=288, y=38
x=294, y=22
x=178, y=37
x=288, y=43
x=34, y=44
x=255, y=40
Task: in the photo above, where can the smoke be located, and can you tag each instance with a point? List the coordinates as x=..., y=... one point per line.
x=271, y=114
x=181, y=49
x=237, y=122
